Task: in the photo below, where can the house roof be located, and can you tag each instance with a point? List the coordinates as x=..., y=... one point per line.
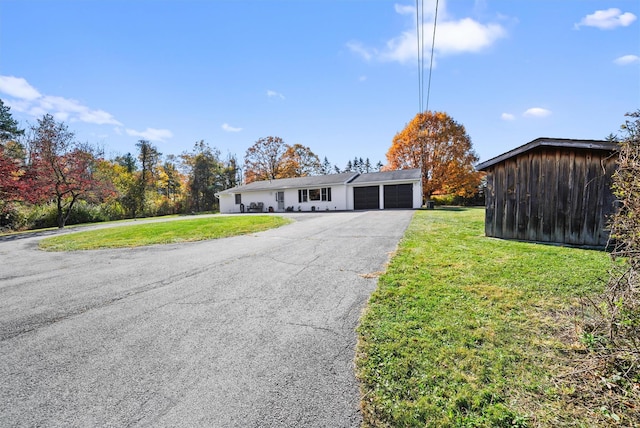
x=376, y=177
x=287, y=183
x=550, y=142
x=326, y=180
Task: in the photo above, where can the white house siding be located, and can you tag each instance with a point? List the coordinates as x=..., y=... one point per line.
x=342, y=191
x=268, y=198
x=227, y=203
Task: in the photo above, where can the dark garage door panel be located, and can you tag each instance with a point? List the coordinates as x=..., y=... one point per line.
x=366, y=198
x=398, y=196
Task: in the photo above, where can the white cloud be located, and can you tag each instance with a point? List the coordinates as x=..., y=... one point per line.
x=404, y=9
x=429, y=9
x=151, y=134
x=507, y=116
x=627, y=59
x=467, y=35
x=536, y=112
x=229, y=128
x=18, y=87
x=452, y=37
x=360, y=50
x=274, y=94
x=32, y=102
x=607, y=19
x=99, y=117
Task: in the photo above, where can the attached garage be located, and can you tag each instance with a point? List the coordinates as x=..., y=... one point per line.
x=366, y=198
x=398, y=196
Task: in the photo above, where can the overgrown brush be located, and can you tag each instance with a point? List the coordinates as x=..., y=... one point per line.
x=609, y=374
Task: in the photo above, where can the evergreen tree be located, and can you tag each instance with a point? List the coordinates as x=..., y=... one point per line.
x=326, y=167
x=9, y=130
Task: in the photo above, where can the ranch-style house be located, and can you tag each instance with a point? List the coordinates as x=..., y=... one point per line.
x=332, y=192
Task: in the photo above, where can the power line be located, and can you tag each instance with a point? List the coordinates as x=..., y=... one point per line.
x=419, y=29
x=433, y=43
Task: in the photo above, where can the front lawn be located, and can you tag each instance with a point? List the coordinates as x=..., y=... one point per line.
x=470, y=331
x=166, y=232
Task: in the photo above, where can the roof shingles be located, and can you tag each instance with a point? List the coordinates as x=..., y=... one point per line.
x=326, y=180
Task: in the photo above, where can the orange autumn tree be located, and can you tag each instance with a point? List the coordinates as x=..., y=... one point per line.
x=299, y=161
x=440, y=146
x=270, y=158
x=263, y=160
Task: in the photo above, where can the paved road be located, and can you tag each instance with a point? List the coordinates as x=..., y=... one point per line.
x=250, y=331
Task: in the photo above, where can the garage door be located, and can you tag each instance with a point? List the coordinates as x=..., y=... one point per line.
x=398, y=196
x=366, y=198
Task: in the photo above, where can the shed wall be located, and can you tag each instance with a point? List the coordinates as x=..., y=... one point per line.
x=551, y=194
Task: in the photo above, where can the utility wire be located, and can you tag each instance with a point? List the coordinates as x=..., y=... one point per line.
x=420, y=58
x=422, y=43
x=433, y=43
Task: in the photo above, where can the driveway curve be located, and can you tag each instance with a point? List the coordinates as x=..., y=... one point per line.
x=249, y=331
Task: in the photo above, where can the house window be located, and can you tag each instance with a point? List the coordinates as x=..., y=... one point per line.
x=326, y=193
x=322, y=194
x=238, y=198
x=314, y=194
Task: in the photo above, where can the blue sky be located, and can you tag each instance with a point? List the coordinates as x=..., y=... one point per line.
x=338, y=76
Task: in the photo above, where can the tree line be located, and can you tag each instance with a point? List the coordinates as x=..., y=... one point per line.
x=48, y=178
x=432, y=141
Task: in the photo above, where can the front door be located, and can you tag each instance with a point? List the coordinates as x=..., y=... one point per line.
x=280, y=199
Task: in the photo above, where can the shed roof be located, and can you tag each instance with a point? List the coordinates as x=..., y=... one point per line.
x=550, y=142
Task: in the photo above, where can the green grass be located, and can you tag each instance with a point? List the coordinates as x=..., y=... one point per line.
x=166, y=232
x=72, y=226
x=470, y=331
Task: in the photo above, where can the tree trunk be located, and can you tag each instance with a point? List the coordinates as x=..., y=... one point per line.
x=60, y=216
x=68, y=214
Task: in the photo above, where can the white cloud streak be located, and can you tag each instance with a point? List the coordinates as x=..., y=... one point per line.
x=404, y=9
x=537, y=112
x=507, y=116
x=29, y=100
x=274, y=94
x=452, y=37
x=229, y=128
x=607, y=19
x=151, y=134
x=362, y=51
x=627, y=59
x=19, y=88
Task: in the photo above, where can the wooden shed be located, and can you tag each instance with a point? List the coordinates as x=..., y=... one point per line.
x=552, y=190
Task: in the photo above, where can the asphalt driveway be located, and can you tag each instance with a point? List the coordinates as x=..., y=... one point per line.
x=249, y=331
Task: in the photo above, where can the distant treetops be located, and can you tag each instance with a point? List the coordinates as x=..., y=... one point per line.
x=432, y=141
x=271, y=158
